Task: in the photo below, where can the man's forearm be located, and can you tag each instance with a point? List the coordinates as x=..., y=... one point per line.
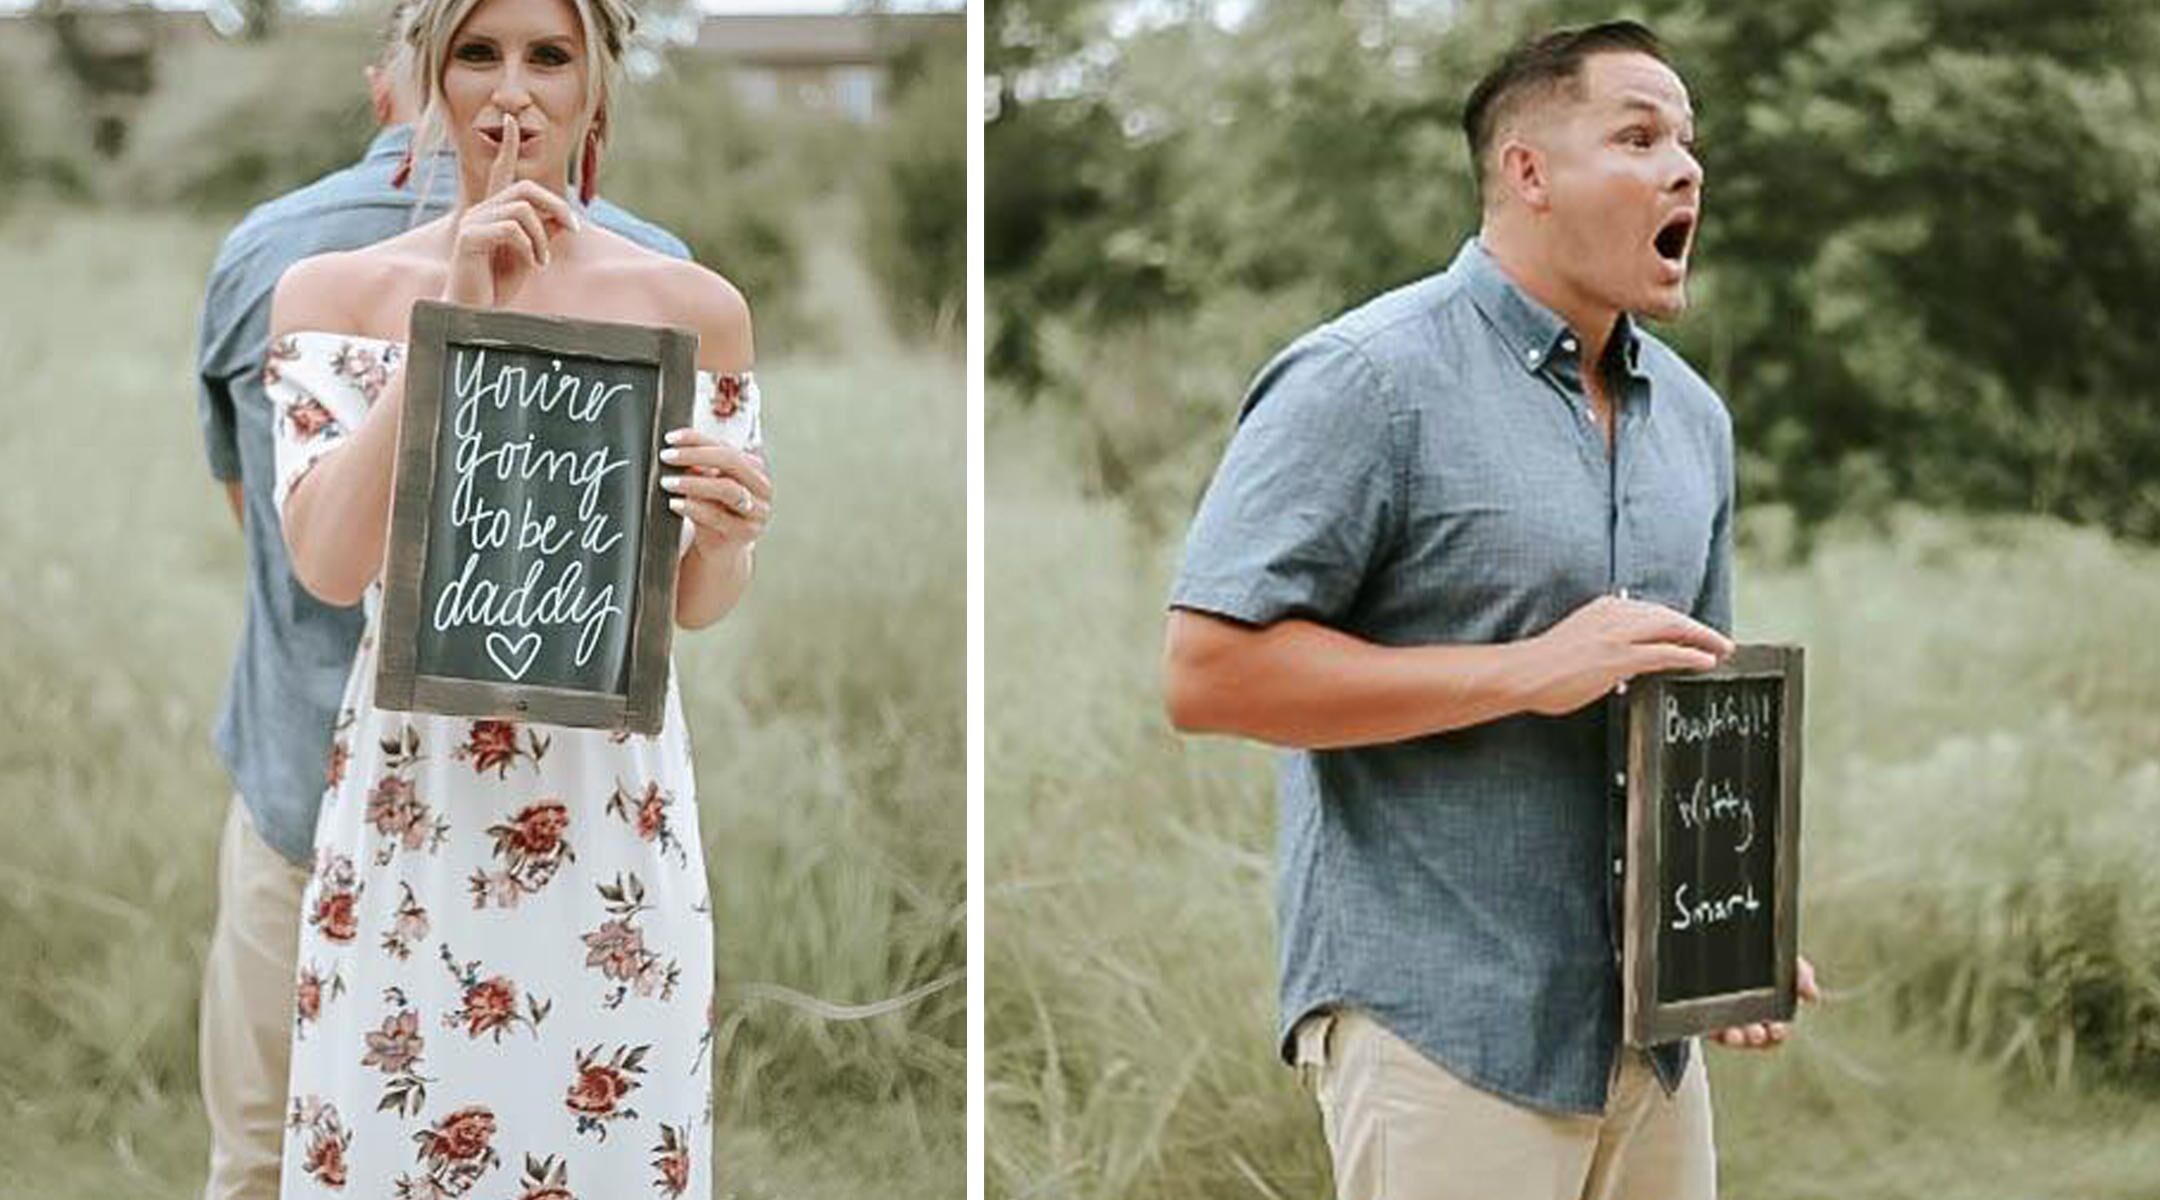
x=1301, y=684
x=1297, y=683
x=232, y=498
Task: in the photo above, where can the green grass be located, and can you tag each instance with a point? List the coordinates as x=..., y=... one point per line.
x=1981, y=871
x=826, y=717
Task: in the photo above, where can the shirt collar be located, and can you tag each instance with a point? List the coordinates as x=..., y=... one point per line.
x=392, y=142
x=1533, y=333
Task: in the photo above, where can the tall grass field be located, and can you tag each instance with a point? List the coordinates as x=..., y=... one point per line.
x=1981, y=871
x=826, y=716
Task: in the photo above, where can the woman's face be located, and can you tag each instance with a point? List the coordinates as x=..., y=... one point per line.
x=523, y=60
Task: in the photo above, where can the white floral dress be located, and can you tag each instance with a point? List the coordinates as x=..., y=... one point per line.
x=505, y=969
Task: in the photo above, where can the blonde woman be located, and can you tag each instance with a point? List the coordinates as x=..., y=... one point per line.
x=506, y=951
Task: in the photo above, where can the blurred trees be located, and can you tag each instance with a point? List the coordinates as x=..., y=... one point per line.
x=1927, y=269
x=110, y=51
x=918, y=247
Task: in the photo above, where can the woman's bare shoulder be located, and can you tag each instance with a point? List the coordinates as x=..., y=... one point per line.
x=314, y=293
x=702, y=299
x=691, y=295
x=354, y=291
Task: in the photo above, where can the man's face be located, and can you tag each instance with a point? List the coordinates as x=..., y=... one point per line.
x=1623, y=191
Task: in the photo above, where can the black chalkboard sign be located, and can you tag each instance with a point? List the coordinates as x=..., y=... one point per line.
x=532, y=555
x=1711, y=935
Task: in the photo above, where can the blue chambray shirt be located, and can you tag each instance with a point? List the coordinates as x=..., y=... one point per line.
x=288, y=673
x=1425, y=470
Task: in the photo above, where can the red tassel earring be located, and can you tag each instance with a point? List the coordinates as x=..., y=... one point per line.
x=399, y=177
x=589, y=165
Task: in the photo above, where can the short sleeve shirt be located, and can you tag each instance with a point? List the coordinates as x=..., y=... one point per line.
x=1426, y=470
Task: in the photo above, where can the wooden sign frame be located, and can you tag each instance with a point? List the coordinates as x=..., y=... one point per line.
x=639, y=707
x=1646, y=1019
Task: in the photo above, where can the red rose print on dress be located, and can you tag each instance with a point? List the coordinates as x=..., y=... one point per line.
x=334, y=768
x=366, y=370
x=309, y=418
x=618, y=947
x=284, y=350
x=532, y=846
x=327, y=1140
x=309, y=993
x=340, y=754
x=402, y=819
x=394, y=805
x=407, y=928
x=395, y=1051
x=597, y=1088
x=337, y=896
x=727, y=396
x=647, y=812
x=490, y=1004
x=493, y=746
x=671, y=1158
x=455, y=1153
x=546, y=1179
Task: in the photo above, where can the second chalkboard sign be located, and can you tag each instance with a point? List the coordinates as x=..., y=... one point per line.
x=1711, y=901
x=531, y=564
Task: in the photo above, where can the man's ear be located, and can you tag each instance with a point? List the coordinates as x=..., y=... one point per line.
x=1522, y=173
x=379, y=95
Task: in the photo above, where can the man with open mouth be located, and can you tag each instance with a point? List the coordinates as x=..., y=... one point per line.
x=1450, y=524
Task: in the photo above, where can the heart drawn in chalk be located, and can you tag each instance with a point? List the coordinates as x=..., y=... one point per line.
x=506, y=651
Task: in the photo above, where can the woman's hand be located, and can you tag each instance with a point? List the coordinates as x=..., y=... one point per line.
x=503, y=240
x=723, y=492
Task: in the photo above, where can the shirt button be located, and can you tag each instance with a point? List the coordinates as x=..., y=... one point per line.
x=1568, y=344
x=1619, y=779
x=1530, y=355
x=1619, y=866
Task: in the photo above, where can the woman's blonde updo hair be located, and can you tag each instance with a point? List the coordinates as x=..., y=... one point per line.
x=429, y=26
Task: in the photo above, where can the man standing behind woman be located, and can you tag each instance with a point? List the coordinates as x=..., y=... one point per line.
x=295, y=651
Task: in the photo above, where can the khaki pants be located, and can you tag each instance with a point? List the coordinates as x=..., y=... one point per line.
x=247, y=1011
x=1399, y=1127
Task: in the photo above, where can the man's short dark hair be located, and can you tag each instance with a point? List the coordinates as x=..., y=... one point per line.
x=1538, y=67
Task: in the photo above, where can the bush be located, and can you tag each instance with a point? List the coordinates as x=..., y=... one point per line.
x=917, y=203
x=45, y=141
x=1984, y=788
x=731, y=183
x=1887, y=183
x=232, y=124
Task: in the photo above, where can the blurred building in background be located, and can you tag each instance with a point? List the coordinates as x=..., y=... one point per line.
x=837, y=63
